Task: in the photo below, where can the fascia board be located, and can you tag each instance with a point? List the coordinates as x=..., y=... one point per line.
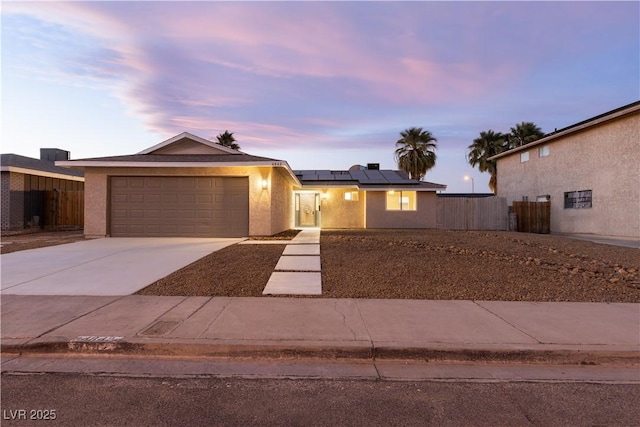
x=192, y=137
x=37, y=172
x=566, y=132
x=311, y=186
x=404, y=188
x=124, y=164
x=355, y=186
x=107, y=164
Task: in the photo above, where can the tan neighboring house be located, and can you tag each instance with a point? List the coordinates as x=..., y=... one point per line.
x=589, y=171
x=188, y=186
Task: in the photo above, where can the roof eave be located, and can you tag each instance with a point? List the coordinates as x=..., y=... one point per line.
x=193, y=138
x=82, y=164
x=38, y=172
x=570, y=130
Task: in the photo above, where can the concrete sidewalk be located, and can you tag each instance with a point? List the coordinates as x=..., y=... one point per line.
x=529, y=332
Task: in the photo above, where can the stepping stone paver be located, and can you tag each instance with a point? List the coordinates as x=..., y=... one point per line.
x=302, y=250
x=298, y=283
x=298, y=263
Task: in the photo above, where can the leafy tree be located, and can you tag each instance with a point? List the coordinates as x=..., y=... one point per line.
x=227, y=140
x=415, y=152
x=488, y=144
x=524, y=133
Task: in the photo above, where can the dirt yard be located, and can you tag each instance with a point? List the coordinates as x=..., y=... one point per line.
x=418, y=264
x=20, y=242
x=429, y=264
x=437, y=264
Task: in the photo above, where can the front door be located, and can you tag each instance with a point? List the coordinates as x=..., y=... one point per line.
x=307, y=209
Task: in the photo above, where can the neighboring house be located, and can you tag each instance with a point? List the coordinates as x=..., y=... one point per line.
x=589, y=171
x=190, y=186
x=23, y=179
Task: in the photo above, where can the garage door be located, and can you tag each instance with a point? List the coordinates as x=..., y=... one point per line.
x=179, y=206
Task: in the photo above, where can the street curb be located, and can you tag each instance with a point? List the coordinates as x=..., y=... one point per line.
x=628, y=356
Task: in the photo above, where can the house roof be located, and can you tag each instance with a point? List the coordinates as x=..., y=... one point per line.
x=216, y=155
x=365, y=179
x=192, y=137
x=585, y=124
x=29, y=165
x=154, y=159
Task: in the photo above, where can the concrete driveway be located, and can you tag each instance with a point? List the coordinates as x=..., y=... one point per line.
x=109, y=266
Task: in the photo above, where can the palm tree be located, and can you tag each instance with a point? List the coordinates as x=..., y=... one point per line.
x=228, y=140
x=488, y=144
x=415, y=152
x=524, y=133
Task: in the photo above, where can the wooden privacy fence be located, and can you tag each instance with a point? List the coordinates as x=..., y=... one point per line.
x=466, y=213
x=64, y=208
x=533, y=217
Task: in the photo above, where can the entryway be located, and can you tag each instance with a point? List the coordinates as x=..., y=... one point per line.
x=307, y=209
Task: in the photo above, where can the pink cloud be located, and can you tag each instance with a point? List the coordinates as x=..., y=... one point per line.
x=304, y=73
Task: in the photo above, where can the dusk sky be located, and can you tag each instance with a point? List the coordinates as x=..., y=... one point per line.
x=322, y=85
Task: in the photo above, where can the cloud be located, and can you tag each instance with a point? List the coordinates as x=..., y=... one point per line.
x=332, y=73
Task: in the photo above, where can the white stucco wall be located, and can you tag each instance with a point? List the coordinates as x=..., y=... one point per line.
x=604, y=158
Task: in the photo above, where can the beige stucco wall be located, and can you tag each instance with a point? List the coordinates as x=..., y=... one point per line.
x=336, y=212
x=281, y=189
x=378, y=217
x=603, y=159
x=264, y=215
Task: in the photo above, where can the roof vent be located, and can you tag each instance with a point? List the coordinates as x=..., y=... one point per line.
x=373, y=166
x=356, y=168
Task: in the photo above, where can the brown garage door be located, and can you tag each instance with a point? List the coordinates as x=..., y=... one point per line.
x=179, y=206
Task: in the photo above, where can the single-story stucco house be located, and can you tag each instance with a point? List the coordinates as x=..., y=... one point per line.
x=23, y=179
x=589, y=171
x=188, y=186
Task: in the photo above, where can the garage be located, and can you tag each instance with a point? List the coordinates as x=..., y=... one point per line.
x=179, y=206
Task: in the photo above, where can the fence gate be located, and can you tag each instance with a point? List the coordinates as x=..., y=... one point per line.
x=533, y=217
x=64, y=208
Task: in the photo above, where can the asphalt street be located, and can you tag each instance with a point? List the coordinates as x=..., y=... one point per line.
x=94, y=400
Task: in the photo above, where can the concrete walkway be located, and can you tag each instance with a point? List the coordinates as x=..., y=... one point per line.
x=109, y=266
x=298, y=270
x=571, y=333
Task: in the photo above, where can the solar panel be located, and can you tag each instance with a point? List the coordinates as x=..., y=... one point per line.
x=390, y=176
x=374, y=177
x=326, y=177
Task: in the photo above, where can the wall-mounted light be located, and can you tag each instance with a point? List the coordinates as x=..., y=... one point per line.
x=265, y=184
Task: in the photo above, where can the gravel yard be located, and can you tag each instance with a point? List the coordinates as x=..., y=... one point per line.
x=417, y=264
x=506, y=266
x=429, y=264
x=20, y=242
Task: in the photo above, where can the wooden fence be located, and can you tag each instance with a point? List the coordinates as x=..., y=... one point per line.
x=465, y=213
x=63, y=208
x=533, y=217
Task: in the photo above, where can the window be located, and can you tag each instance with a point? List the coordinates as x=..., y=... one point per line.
x=543, y=151
x=524, y=157
x=577, y=199
x=401, y=200
x=351, y=196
